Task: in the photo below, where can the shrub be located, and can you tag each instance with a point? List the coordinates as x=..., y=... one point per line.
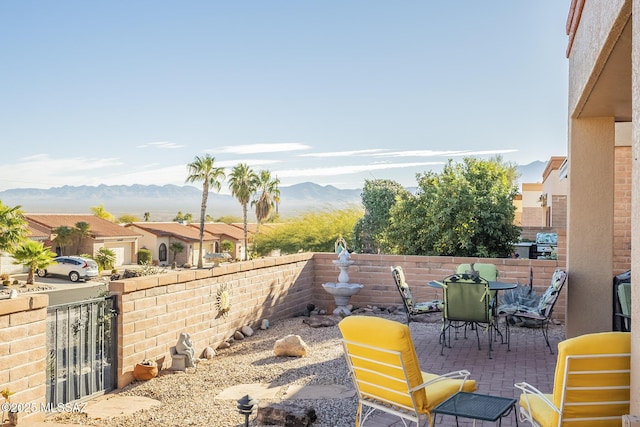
x=144, y=256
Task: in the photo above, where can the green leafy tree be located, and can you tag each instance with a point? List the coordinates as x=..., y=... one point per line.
x=33, y=255
x=268, y=196
x=204, y=169
x=243, y=182
x=13, y=227
x=106, y=258
x=64, y=238
x=100, y=212
x=378, y=197
x=314, y=231
x=466, y=210
x=127, y=219
x=176, y=248
x=147, y=217
x=228, y=219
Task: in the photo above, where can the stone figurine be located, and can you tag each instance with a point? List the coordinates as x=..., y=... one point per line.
x=185, y=346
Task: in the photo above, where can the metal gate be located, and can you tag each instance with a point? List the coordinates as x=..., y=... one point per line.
x=81, y=350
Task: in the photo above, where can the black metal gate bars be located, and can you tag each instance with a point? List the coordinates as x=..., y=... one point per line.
x=81, y=346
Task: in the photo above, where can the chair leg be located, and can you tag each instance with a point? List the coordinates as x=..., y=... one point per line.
x=545, y=333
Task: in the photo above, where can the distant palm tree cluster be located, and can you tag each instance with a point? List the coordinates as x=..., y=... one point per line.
x=258, y=189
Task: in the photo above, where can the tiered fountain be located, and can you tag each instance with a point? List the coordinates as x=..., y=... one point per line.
x=343, y=290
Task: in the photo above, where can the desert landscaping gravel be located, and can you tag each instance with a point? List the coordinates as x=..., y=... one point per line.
x=189, y=398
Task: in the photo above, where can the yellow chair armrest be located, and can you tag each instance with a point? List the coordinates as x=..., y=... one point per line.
x=463, y=374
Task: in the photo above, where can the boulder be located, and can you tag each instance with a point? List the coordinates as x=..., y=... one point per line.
x=246, y=331
x=290, y=345
x=238, y=335
x=319, y=321
x=208, y=353
x=285, y=414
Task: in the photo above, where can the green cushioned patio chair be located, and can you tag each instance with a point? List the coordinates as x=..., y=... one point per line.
x=541, y=311
x=412, y=307
x=467, y=301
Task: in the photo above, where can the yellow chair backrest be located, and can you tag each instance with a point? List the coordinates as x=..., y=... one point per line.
x=592, y=378
x=384, y=375
x=487, y=271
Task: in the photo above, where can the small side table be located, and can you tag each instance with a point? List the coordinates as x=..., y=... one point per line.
x=476, y=406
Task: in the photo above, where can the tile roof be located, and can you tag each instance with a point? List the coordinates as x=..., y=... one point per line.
x=98, y=227
x=174, y=229
x=220, y=228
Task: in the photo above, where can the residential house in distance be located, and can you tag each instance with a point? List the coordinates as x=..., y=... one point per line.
x=102, y=233
x=553, y=199
x=158, y=237
x=225, y=233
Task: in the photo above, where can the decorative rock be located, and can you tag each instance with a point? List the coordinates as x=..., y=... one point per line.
x=247, y=331
x=291, y=345
x=238, y=335
x=224, y=345
x=319, y=322
x=285, y=414
x=265, y=324
x=208, y=353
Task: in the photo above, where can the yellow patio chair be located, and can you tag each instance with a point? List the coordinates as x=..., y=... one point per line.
x=385, y=370
x=591, y=385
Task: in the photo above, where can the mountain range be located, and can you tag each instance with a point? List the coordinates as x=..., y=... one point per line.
x=164, y=202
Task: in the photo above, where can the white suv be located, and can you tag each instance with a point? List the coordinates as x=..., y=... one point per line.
x=73, y=267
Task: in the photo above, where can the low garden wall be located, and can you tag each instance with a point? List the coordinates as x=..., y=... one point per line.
x=23, y=350
x=154, y=310
x=374, y=272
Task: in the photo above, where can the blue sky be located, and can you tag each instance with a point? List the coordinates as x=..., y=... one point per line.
x=333, y=92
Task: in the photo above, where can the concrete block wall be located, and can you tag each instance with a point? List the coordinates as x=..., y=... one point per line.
x=23, y=350
x=374, y=271
x=154, y=310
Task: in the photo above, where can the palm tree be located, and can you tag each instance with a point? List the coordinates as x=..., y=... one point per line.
x=81, y=231
x=34, y=256
x=64, y=237
x=269, y=196
x=243, y=182
x=147, y=216
x=13, y=227
x=176, y=248
x=203, y=169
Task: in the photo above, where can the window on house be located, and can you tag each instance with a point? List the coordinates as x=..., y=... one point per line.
x=162, y=252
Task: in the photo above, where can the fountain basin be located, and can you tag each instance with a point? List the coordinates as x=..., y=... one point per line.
x=342, y=292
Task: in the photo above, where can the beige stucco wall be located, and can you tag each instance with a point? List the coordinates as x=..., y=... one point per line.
x=592, y=160
x=591, y=47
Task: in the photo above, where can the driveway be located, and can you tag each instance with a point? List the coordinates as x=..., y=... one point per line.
x=63, y=291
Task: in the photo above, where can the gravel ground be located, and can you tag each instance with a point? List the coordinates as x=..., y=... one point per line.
x=188, y=398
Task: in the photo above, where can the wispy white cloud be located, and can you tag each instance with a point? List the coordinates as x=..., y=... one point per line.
x=251, y=162
x=371, y=151
x=163, y=145
x=261, y=148
x=432, y=153
x=348, y=169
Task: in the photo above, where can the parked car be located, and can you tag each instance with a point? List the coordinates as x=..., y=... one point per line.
x=73, y=267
